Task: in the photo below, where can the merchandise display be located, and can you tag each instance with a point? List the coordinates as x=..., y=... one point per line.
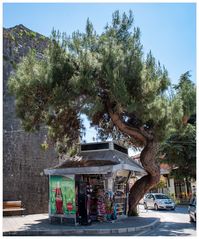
x=101, y=210
x=93, y=199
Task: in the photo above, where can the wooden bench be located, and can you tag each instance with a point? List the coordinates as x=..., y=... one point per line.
x=13, y=206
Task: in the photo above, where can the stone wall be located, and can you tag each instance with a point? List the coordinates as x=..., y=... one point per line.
x=23, y=165
x=23, y=158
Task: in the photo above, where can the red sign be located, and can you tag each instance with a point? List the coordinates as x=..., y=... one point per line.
x=69, y=206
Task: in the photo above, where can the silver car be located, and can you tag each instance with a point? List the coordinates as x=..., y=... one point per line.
x=158, y=201
x=192, y=210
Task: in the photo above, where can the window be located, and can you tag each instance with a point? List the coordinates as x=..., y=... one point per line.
x=161, y=196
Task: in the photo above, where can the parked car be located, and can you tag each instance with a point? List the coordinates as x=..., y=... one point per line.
x=158, y=201
x=192, y=209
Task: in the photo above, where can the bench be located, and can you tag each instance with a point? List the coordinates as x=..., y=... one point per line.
x=13, y=206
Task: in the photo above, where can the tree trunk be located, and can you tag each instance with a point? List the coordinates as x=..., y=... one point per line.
x=147, y=158
x=141, y=186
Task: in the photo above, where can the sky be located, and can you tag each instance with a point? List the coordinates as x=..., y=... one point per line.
x=167, y=29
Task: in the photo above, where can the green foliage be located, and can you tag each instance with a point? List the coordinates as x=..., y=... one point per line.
x=87, y=73
x=112, y=65
x=187, y=91
x=42, y=38
x=11, y=37
x=180, y=152
x=180, y=147
x=14, y=64
x=42, y=100
x=32, y=34
x=161, y=184
x=44, y=146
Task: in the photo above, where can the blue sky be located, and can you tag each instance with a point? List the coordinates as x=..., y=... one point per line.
x=167, y=29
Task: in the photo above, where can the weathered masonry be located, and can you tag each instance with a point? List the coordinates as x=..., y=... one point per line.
x=23, y=158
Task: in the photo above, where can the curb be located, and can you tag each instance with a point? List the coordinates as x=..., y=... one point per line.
x=81, y=231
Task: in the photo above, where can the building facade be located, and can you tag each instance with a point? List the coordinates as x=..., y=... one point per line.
x=180, y=190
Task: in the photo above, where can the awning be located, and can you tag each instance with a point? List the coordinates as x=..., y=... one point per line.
x=98, y=162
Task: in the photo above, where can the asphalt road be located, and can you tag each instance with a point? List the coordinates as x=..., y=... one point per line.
x=172, y=223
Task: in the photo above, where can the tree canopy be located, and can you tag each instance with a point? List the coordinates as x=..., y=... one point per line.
x=179, y=148
x=180, y=152
x=96, y=75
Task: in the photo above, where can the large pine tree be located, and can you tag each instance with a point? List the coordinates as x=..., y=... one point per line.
x=106, y=76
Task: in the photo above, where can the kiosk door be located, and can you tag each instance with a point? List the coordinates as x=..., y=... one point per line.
x=83, y=204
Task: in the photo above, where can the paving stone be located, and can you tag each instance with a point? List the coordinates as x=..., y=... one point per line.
x=38, y=224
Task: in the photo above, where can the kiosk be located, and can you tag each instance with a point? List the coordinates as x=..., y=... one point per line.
x=92, y=186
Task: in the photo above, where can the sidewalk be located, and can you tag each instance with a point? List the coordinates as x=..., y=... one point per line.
x=38, y=225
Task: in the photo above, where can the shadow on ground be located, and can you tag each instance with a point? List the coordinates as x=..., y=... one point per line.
x=43, y=227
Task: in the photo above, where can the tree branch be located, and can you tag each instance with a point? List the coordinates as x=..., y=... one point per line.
x=133, y=132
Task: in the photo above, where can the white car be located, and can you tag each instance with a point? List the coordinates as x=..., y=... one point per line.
x=158, y=201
